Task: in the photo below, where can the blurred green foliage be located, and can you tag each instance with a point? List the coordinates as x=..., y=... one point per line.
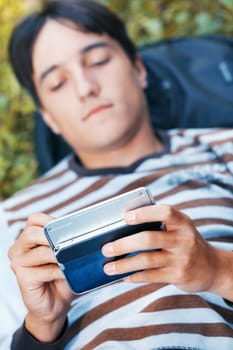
x=146, y=21
x=17, y=160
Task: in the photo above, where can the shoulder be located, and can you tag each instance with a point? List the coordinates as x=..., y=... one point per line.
x=38, y=197
x=210, y=137
x=52, y=176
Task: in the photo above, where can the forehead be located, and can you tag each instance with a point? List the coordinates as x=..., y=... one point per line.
x=57, y=42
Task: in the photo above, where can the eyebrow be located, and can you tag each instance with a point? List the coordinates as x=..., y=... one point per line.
x=83, y=51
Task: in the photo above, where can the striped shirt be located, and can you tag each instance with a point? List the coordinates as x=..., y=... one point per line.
x=194, y=173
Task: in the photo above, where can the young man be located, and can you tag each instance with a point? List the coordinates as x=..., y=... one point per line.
x=87, y=80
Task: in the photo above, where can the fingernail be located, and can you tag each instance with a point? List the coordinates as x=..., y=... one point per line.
x=110, y=269
x=108, y=249
x=130, y=216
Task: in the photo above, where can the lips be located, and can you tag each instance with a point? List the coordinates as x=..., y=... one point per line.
x=95, y=110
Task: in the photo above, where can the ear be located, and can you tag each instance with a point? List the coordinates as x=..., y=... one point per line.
x=49, y=121
x=141, y=71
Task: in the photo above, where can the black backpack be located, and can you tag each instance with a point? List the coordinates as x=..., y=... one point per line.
x=190, y=82
x=190, y=85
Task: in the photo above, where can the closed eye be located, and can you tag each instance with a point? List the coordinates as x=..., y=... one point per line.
x=100, y=62
x=57, y=86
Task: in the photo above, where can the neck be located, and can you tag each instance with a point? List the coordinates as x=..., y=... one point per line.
x=141, y=145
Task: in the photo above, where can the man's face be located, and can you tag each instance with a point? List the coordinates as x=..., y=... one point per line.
x=90, y=91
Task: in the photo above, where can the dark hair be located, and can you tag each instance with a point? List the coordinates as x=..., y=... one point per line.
x=85, y=14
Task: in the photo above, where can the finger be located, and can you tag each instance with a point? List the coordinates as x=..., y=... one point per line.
x=38, y=219
x=41, y=255
x=140, y=261
x=145, y=240
x=31, y=237
x=34, y=236
x=36, y=276
x=160, y=275
x=48, y=273
x=159, y=212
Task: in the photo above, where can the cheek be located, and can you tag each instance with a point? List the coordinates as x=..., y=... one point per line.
x=127, y=86
x=130, y=97
x=61, y=107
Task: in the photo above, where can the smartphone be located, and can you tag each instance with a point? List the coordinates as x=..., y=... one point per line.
x=76, y=239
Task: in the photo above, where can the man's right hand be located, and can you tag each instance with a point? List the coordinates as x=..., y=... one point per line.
x=42, y=284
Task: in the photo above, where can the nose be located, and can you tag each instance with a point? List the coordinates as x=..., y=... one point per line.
x=86, y=84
